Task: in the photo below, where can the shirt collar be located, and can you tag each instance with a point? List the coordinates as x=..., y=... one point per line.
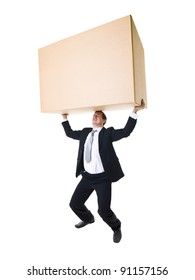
x=97, y=128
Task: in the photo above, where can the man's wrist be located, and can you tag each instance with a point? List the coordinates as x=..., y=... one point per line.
x=134, y=115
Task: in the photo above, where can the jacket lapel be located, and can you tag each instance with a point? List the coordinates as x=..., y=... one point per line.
x=85, y=134
x=101, y=134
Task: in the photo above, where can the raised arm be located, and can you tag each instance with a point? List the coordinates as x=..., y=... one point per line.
x=118, y=134
x=74, y=134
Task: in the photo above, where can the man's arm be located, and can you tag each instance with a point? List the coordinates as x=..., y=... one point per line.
x=74, y=134
x=118, y=134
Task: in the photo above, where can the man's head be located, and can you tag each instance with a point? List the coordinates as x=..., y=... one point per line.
x=99, y=119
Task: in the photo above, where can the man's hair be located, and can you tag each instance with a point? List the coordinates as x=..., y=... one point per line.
x=102, y=114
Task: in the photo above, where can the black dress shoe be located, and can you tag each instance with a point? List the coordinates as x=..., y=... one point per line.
x=117, y=235
x=83, y=224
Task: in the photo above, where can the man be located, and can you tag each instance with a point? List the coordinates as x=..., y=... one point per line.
x=99, y=166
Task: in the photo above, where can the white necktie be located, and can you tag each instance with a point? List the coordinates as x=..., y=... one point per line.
x=89, y=146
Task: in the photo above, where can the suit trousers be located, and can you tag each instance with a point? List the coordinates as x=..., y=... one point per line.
x=102, y=185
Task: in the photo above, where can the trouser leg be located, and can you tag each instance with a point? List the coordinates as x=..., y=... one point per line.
x=79, y=197
x=103, y=191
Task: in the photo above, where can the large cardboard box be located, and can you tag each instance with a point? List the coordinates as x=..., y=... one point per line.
x=102, y=68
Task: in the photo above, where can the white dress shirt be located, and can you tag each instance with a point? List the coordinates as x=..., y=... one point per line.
x=95, y=165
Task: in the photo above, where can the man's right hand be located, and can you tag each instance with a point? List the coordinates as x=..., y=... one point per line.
x=65, y=116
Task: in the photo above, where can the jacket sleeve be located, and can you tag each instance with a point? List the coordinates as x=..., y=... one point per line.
x=74, y=134
x=118, y=134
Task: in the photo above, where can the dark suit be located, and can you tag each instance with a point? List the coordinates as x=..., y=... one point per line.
x=108, y=156
x=101, y=183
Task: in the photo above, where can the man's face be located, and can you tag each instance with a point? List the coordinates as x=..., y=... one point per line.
x=97, y=120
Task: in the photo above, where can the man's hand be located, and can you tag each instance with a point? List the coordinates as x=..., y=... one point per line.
x=140, y=107
x=65, y=116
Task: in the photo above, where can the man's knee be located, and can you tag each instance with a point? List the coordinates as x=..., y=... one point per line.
x=71, y=204
x=103, y=213
x=106, y=214
x=74, y=205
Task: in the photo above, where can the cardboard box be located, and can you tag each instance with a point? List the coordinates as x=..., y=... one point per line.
x=102, y=68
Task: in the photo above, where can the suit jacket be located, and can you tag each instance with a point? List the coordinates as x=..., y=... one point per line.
x=108, y=156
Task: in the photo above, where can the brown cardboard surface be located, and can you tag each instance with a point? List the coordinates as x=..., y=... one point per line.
x=102, y=68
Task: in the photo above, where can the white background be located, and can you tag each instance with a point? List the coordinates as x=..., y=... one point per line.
x=155, y=200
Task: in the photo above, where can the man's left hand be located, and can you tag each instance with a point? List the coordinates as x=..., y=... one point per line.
x=139, y=107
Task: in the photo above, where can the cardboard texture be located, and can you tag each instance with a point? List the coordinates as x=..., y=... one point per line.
x=99, y=69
